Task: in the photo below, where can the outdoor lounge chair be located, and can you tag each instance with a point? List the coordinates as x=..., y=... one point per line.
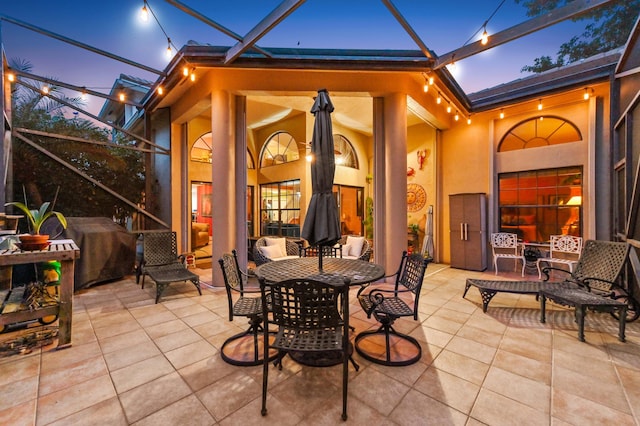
x=160, y=261
x=244, y=306
x=389, y=304
x=265, y=250
x=312, y=317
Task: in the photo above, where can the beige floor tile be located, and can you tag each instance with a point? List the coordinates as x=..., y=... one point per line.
x=461, y=366
x=55, y=360
x=174, y=340
x=108, y=412
x=207, y=371
x=65, y=402
x=158, y=330
x=448, y=389
x=187, y=411
x=18, y=392
x=229, y=394
x=523, y=366
x=117, y=328
x=71, y=374
x=534, y=394
x=481, y=336
x=630, y=379
x=19, y=415
x=188, y=354
x=156, y=318
x=122, y=341
x=250, y=414
x=153, y=396
x=577, y=410
x=494, y=409
x=140, y=373
x=472, y=349
x=416, y=408
x=127, y=356
x=19, y=368
x=390, y=391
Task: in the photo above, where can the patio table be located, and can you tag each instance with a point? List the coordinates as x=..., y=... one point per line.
x=333, y=270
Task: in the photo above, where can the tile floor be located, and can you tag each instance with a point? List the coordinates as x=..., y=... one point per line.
x=135, y=362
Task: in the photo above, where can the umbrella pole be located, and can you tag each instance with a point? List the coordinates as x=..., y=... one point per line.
x=320, y=258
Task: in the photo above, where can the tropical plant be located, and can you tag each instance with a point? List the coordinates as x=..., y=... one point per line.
x=38, y=217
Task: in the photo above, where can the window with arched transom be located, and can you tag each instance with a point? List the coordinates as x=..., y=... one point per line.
x=539, y=131
x=344, y=153
x=280, y=148
x=201, y=151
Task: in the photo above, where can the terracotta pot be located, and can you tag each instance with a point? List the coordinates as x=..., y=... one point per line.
x=30, y=242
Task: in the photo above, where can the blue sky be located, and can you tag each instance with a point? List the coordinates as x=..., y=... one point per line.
x=114, y=26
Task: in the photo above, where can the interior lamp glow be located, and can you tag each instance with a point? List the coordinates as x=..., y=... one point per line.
x=576, y=200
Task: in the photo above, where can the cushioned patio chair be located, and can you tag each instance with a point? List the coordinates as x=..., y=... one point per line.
x=247, y=304
x=389, y=304
x=312, y=317
x=355, y=247
x=567, y=246
x=160, y=261
x=268, y=249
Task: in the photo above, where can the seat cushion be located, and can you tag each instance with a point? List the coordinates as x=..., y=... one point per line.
x=271, y=252
x=281, y=243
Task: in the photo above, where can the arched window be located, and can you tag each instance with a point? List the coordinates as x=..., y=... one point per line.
x=539, y=131
x=280, y=148
x=201, y=151
x=345, y=154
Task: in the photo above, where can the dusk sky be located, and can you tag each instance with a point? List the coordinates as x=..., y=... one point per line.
x=114, y=26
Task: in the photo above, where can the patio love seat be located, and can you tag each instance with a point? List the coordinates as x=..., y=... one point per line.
x=591, y=286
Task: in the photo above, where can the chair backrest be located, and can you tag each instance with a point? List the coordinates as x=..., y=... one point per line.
x=160, y=248
x=293, y=249
x=306, y=304
x=410, y=275
x=567, y=244
x=232, y=277
x=601, y=260
x=327, y=251
x=504, y=241
x=365, y=253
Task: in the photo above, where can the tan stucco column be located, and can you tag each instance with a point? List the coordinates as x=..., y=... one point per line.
x=391, y=227
x=223, y=180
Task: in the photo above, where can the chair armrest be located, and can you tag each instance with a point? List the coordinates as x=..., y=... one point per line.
x=547, y=269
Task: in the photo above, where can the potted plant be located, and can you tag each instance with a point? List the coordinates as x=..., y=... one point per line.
x=36, y=218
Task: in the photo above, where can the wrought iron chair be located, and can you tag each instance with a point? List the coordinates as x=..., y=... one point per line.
x=563, y=245
x=292, y=248
x=312, y=316
x=504, y=245
x=593, y=284
x=387, y=305
x=244, y=306
x=327, y=251
x=161, y=262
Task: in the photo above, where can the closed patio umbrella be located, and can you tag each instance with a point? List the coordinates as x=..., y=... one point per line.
x=322, y=225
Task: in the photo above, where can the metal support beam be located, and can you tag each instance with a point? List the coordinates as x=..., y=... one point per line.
x=186, y=9
x=408, y=28
x=82, y=140
x=571, y=10
x=79, y=44
x=89, y=178
x=283, y=10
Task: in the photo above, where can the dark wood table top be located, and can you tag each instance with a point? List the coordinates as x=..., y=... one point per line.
x=333, y=270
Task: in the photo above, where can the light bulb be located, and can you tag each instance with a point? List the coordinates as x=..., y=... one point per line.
x=425, y=87
x=160, y=90
x=586, y=94
x=192, y=76
x=501, y=114
x=144, y=13
x=11, y=77
x=469, y=120
x=83, y=95
x=449, y=108
x=439, y=99
x=457, y=116
x=430, y=81
x=540, y=105
x=485, y=37
x=185, y=71
x=121, y=97
x=45, y=89
x=169, y=53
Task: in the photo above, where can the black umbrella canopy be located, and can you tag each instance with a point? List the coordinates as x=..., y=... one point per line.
x=322, y=225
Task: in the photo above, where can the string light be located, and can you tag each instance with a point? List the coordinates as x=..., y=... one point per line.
x=540, y=105
x=192, y=76
x=83, y=95
x=185, y=71
x=121, y=97
x=469, y=120
x=160, y=90
x=425, y=88
x=45, y=90
x=457, y=116
x=431, y=80
x=485, y=36
x=586, y=94
x=449, y=108
x=501, y=114
x=439, y=99
x=144, y=12
x=169, y=52
x=11, y=77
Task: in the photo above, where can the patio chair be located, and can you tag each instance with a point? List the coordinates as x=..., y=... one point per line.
x=312, y=317
x=355, y=247
x=597, y=272
x=266, y=249
x=387, y=305
x=327, y=251
x=160, y=261
x=244, y=306
x=505, y=245
x=561, y=245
